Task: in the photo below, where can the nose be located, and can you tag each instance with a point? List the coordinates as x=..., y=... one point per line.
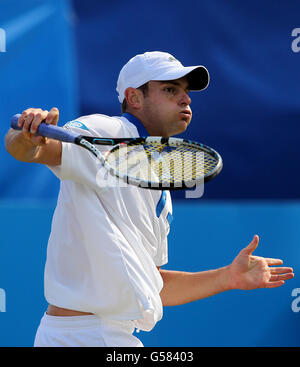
x=185, y=99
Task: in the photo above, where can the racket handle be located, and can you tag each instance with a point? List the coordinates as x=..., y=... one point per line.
x=49, y=131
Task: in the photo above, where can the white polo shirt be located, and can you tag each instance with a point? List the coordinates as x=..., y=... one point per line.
x=106, y=243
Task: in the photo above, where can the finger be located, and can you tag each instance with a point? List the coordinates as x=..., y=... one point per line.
x=53, y=116
x=27, y=135
x=27, y=122
x=279, y=283
x=38, y=118
x=252, y=246
x=281, y=270
x=271, y=261
x=23, y=117
x=276, y=278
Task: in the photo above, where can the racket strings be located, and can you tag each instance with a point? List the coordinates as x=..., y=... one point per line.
x=162, y=162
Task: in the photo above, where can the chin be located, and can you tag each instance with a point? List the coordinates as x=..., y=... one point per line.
x=178, y=127
x=182, y=126
x=178, y=131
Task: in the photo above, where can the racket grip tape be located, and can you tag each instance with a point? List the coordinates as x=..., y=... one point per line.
x=49, y=131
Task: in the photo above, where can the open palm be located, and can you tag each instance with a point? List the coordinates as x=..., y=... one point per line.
x=250, y=272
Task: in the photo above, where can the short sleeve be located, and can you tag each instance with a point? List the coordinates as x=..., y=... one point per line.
x=78, y=164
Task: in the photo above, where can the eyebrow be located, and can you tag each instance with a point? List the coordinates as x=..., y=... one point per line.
x=173, y=82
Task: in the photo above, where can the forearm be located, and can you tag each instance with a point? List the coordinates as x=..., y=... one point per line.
x=48, y=151
x=19, y=147
x=183, y=287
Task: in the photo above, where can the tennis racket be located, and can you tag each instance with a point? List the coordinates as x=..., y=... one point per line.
x=151, y=162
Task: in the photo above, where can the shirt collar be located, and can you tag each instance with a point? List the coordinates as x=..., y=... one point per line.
x=137, y=123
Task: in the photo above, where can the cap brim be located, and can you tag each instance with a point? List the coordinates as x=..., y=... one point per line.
x=197, y=76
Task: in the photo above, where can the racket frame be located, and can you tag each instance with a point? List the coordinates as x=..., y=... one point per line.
x=154, y=140
x=89, y=143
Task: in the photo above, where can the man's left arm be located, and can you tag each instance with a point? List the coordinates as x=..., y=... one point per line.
x=245, y=272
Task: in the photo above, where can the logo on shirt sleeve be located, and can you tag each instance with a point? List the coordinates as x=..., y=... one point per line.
x=77, y=124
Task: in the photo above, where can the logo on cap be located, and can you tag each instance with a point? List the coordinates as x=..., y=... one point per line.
x=171, y=58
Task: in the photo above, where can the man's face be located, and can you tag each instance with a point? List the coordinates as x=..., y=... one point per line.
x=166, y=108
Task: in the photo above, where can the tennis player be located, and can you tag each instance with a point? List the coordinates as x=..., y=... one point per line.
x=103, y=275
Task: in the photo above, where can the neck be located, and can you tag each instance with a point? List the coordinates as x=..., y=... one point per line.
x=137, y=122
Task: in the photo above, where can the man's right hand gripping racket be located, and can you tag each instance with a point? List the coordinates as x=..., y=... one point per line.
x=152, y=162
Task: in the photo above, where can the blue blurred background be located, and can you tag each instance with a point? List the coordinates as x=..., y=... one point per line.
x=68, y=54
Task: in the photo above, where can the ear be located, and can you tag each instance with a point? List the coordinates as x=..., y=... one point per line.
x=133, y=98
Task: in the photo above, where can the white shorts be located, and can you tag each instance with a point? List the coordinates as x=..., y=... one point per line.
x=85, y=331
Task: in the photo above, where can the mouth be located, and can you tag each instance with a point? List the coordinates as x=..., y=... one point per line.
x=186, y=115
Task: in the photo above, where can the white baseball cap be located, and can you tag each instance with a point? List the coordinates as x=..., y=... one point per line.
x=160, y=66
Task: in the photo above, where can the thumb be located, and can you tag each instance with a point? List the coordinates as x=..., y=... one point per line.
x=252, y=245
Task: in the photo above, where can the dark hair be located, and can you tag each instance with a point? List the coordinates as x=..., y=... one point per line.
x=143, y=88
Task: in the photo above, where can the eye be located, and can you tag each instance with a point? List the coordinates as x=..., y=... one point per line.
x=170, y=90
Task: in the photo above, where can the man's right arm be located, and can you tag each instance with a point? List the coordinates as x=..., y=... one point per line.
x=25, y=146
